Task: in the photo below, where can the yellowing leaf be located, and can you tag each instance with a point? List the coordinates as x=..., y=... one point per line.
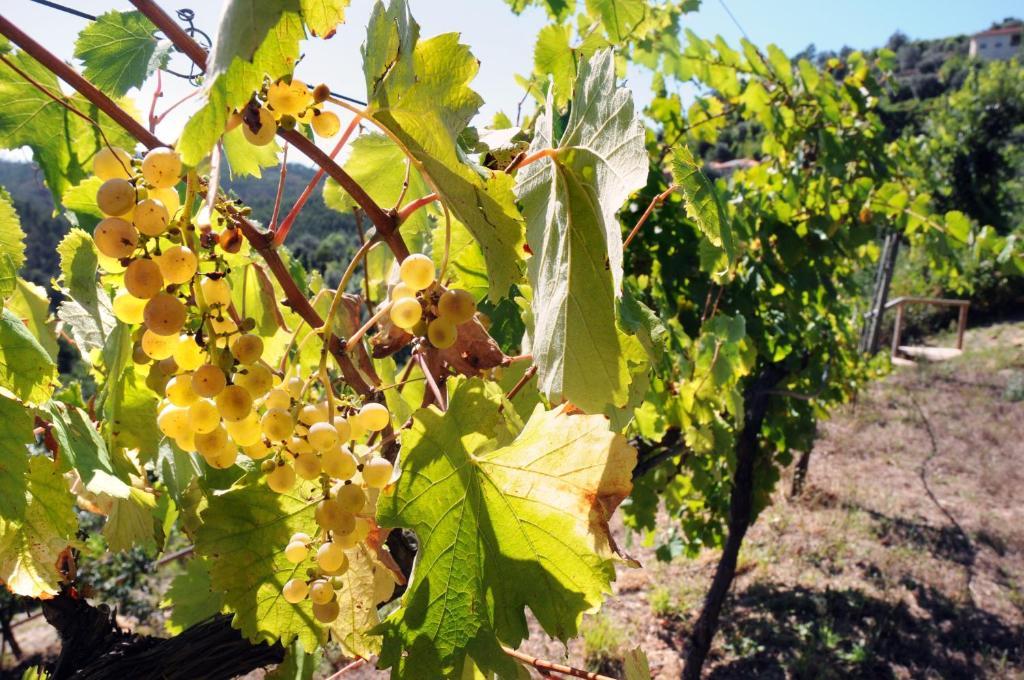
x=363, y=583
x=26, y=369
x=505, y=521
x=323, y=16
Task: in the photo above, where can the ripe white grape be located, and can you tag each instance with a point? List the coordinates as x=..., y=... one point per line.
x=331, y=557
x=245, y=432
x=188, y=354
x=112, y=162
x=400, y=290
x=458, y=306
x=212, y=444
x=225, y=458
x=406, y=313
x=278, y=398
x=330, y=515
x=312, y=413
x=216, y=291
x=323, y=436
x=165, y=315
x=208, y=381
x=179, y=390
x=161, y=167
x=223, y=325
x=417, y=271
x=247, y=348
x=339, y=463
x=203, y=416
x=307, y=465
x=169, y=197
x=234, y=403
x=115, y=238
x=299, y=445
x=288, y=99
x=442, y=333
x=187, y=442
x=281, y=479
x=326, y=613
x=257, y=378
x=116, y=197
x=151, y=217
x=295, y=591
x=294, y=387
x=356, y=429
x=295, y=552
x=128, y=308
x=277, y=424
x=142, y=278
x=267, y=129
x=257, y=451
x=374, y=416
x=157, y=346
x=326, y=124
x=351, y=498
x=321, y=592
x=178, y=264
x=377, y=472
x=173, y=421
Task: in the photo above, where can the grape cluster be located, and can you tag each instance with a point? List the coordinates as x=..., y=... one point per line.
x=420, y=306
x=285, y=104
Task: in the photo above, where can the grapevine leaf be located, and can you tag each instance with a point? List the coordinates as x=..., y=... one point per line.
x=120, y=51
x=703, y=205
x=88, y=328
x=83, y=450
x=8, y=277
x=81, y=201
x=323, y=16
x=419, y=91
x=37, y=522
x=618, y=17
x=134, y=423
x=26, y=369
x=190, y=597
x=570, y=202
x=131, y=521
x=636, y=666
x=177, y=469
x=245, y=159
x=30, y=303
x=78, y=264
x=357, y=600
x=242, y=535
x=504, y=522
x=16, y=423
x=12, y=238
x=243, y=27
x=297, y=665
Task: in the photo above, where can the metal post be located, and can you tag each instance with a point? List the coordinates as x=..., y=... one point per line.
x=961, y=325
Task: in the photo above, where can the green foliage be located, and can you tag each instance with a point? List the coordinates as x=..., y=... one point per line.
x=120, y=51
x=26, y=368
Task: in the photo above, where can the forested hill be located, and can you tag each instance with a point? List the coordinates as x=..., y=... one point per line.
x=322, y=238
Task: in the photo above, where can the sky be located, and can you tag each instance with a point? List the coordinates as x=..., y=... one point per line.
x=503, y=42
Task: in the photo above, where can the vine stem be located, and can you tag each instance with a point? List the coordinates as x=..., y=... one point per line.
x=532, y=158
x=552, y=667
x=358, y=335
x=281, y=177
x=350, y=667
x=658, y=200
x=413, y=206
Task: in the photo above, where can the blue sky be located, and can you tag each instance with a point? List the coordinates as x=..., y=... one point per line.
x=504, y=42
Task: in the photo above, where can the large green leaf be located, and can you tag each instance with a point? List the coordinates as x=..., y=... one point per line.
x=190, y=597
x=37, y=522
x=119, y=51
x=702, y=203
x=505, y=521
x=87, y=310
x=245, y=159
x=570, y=201
x=618, y=17
x=80, y=200
x=26, y=369
x=12, y=238
x=131, y=521
x=31, y=304
x=323, y=16
x=419, y=91
x=83, y=450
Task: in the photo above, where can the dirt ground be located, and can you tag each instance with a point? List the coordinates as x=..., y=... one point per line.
x=903, y=557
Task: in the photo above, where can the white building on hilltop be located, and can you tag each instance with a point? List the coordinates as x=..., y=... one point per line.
x=997, y=43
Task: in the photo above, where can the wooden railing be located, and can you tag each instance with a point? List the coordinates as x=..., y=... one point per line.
x=901, y=302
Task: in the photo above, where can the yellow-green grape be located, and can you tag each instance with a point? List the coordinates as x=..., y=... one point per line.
x=312, y=413
x=179, y=390
x=203, y=416
x=257, y=451
x=157, y=346
x=234, y=403
x=307, y=465
x=267, y=129
x=321, y=592
x=295, y=552
x=161, y=167
x=188, y=354
x=298, y=445
x=377, y=472
x=115, y=197
x=442, y=333
x=322, y=436
x=178, y=264
x=417, y=271
x=326, y=123
x=257, y=378
x=208, y=381
x=339, y=463
x=213, y=443
x=150, y=217
x=294, y=387
x=223, y=325
x=356, y=429
x=225, y=458
x=187, y=442
x=165, y=315
x=351, y=498
x=142, y=278
x=247, y=348
x=112, y=162
x=173, y=421
x=289, y=99
x=168, y=197
x=458, y=306
x=327, y=613
x=400, y=290
x=330, y=515
x=374, y=416
x=295, y=591
x=245, y=432
x=331, y=557
x=362, y=528
x=406, y=312
x=278, y=398
x=128, y=308
x=216, y=291
x=277, y=424
x=115, y=238
x=344, y=430
x=281, y=478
